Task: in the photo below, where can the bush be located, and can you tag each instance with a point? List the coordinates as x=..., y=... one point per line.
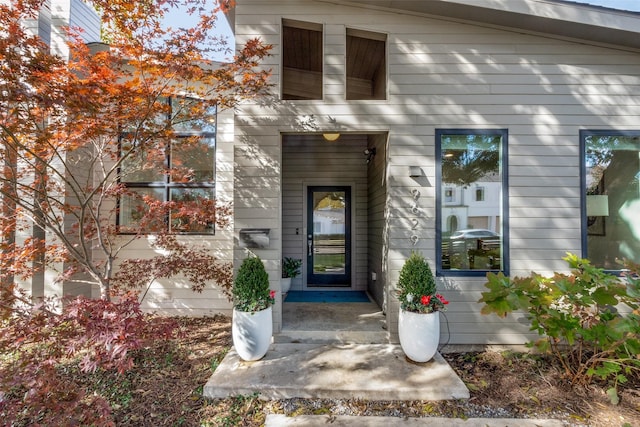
x=417, y=287
x=291, y=267
x=251, y=287
x=37, y=343
x=588, y=320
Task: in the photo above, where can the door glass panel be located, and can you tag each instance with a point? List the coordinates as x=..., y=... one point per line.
x=329, y=227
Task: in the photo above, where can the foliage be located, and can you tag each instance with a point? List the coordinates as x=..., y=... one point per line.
x=479, y=157
x=37, y=341
x=291, y=267
x=73, y=129
x=197, y=265
x=251, y=287
x=588, y=320
x=417, y=287
x=242, y=409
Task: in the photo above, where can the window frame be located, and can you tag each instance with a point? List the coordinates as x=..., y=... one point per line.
x=166, y=185
x=504, y=168
x=583, y=134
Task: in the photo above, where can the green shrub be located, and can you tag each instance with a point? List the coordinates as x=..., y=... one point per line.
x=251, y=287
x=417, y=287
x=291, y=267
x=588, y=320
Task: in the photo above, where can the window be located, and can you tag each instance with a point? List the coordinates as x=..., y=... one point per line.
x=180, y=171
x=611, y=197
x=472, y=164
x=449, y=195
x=366, y=65
x=301, y=60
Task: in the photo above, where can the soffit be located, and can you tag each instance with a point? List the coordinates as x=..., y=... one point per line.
x=561, y=18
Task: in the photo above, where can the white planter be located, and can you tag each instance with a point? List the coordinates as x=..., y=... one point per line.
x=419, y=334
x=285, y=285
x=251, y=333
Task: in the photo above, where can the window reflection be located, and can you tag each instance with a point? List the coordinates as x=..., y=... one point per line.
x=173, y=179
x=612, y=192
x=470, y=203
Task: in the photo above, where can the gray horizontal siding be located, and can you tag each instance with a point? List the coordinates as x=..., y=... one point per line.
x=445, y=74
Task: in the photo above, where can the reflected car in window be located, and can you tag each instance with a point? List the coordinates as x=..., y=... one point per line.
x=473, y=233
x=471, y=249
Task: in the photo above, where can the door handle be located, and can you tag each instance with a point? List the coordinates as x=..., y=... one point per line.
x=309, y=245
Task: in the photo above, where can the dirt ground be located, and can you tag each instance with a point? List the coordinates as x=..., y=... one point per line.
x=165, y=389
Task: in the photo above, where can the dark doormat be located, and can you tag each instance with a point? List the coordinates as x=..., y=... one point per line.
x=327, y=296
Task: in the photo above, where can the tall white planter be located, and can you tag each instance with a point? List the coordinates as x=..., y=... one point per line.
x=419, y=334
x=251, y=333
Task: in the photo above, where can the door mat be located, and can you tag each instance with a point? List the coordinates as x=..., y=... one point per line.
x=327, y=296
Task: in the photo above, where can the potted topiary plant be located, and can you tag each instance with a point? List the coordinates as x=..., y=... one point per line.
x=419, y=320
x=290, y=270
x=251, y=326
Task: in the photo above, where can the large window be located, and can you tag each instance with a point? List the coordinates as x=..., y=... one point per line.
x=471, y=200
x=611, y=202
x=180, y=171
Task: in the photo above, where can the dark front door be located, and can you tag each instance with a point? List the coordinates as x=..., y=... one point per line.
x=329, y=236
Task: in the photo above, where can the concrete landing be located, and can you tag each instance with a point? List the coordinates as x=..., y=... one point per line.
x=343, y=323
x=336, y=371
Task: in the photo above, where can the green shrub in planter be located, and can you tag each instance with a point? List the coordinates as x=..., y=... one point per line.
x=417, y=287
x=291, y=267
x=251, y=287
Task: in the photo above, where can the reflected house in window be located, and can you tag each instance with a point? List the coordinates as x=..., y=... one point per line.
x=471, y=212
x=471, y=203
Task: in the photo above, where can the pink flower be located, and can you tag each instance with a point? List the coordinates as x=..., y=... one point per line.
x=272, y=294
x=425, y=300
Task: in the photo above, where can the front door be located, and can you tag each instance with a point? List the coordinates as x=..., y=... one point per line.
x=329, y=236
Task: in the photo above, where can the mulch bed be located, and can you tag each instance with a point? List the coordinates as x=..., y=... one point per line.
x=165, y=389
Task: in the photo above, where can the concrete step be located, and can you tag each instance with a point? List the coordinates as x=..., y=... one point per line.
x=331, y=337
x=364, y=371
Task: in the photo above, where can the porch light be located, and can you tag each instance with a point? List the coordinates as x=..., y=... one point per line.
x=370, y=153
x=331, y=136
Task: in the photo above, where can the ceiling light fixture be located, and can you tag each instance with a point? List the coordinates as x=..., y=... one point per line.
x=331, y=136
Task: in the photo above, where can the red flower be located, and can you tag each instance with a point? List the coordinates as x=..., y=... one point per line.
x=425, y=300
x=442, y=299
x=272, y=294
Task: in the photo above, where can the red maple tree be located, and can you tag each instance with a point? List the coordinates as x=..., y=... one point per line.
x=75, y=133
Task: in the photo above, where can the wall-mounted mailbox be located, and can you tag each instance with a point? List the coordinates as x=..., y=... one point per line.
x=256, y=238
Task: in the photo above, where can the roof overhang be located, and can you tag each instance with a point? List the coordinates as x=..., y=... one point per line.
x=566, y=19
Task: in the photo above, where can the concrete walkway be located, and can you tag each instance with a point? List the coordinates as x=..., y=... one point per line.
x=336, y=371
x=277, y=420
x=341, y=351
